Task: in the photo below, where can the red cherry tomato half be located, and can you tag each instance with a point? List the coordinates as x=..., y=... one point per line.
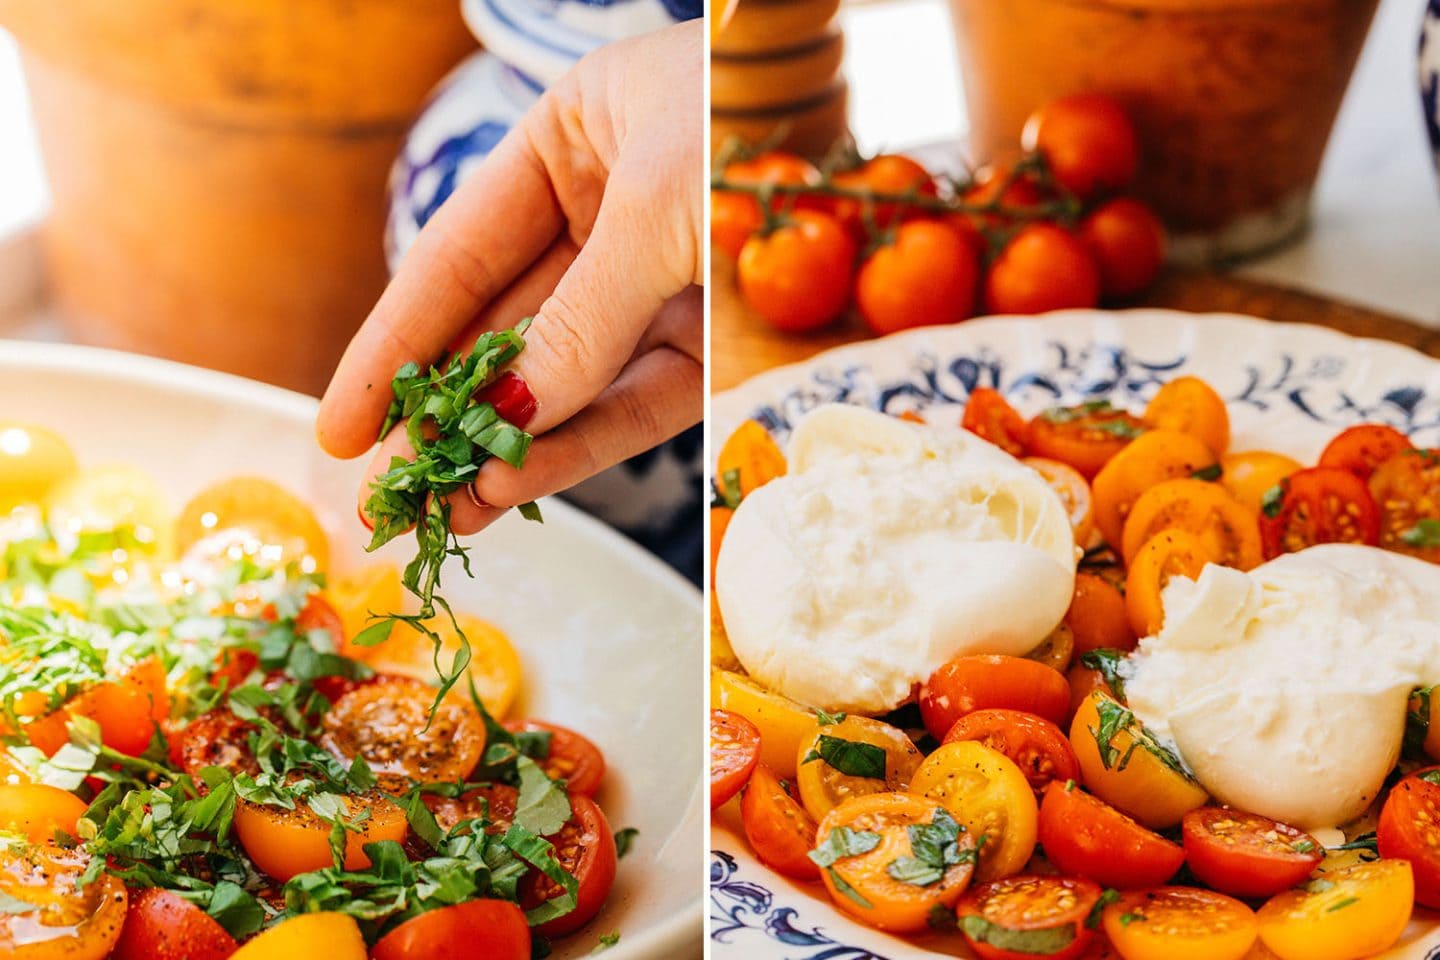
x=214, y=739
x=1360, y=449
x=161, y=925
x=585, y=847
x=1048, y=915
x=1127, y=241
x=1245, y=854
x=969, y=683
x=1088, y=140
x=734, y=752
x=1086, y=836
x=1408, y=830
x=989, y=416
x=572, y=757
x=493, y=929
x=1039, y=748
x=1044, y=267
x=780, y=832
x=1318, y=505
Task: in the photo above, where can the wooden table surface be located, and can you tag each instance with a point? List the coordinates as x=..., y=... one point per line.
x=743, y=345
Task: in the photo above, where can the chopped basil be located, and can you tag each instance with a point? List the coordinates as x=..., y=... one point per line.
x=1342, y=904
x=843, y=842
x=850, y=757
x=1128, y=918
x=1367, y=844
x=1273, y=499
x=1123, y=429
x=1425, y=533
x=849, y=891
x=1078, y=412
x=934, y=848
x=1417, y=725
x=1319, y=885
x=1109, y=896
x=727, y=490
x=1303, y=846
x=543, y=806
x=1210, y=473
x=625, y=840
x=829, y=719
x=1040, y=943
x=1113, y=719
x=1111, y=664
x=607, y=940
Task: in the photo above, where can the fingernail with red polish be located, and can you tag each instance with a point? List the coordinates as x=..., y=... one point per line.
x=511, y=398
x=360, y=512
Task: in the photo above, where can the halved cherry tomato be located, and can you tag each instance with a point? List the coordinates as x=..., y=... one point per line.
x=1127, y=241
x=493, y=929
x=1084, y=835
x=1360, y=449
x=987, y=793
x=1245, y=854
x=889, y=174
x=1249, y=476
x=780, y=831
x=977, y=682
x=870, y=893
x=752, y=455
x=1084, y=681
x=1044, y=267
x=782, y=722
x=334, y=936
x=926, y=275
x=1097, y=616
x=284, y=843
x=989, y=416
x=122, y=709
x=1180, y=923
x=494, y=664
x=1019, y=918
x=1409, y=830
x=824, y=786
x=1318, y=505
x=1190, y=405
x=1126, y=767
x=1073, y=491
x=572, y=757
x=262, y=509
x=734, y=752
x=1037, y=746
x=1170, y=553
x=360, y=595
x=493, y=802
x=1406, y=489
x=1153, y=458
x=37, y=811
x=1088, y=141
x=214, y=739
x=798, y=277
x=585, y=848
x=69, y=921
x=389, y=723
x=1056, y=650
x=162, y=925
x=1085, y=437
x=1204, y=510
x=1351, y=913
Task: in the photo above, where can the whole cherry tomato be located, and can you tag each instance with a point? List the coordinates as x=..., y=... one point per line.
x=926, y=275
x=1044, y=267
x=734, y=216
x=1127, y=241
x=798, y=276
x=1088, y=140
x=887, y=174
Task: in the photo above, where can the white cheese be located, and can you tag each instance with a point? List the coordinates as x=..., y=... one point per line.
x=889, y=548
x=1285, y=688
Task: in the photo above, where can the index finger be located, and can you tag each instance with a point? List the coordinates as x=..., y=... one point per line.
x=498, y=221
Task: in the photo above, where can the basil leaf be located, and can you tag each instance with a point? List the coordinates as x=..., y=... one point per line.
x=843, y=842
x=1210, y=473
x=1273, y=500
x=850, y=757
x=240, y=913
x=1041, y=943
x=1425, y=533
x=625, y=840
x=543, y=806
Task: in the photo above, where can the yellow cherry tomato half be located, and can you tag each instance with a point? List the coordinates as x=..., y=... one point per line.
x=494, y=664
x=69, y=921
x=1180, y=923
x=1190, y=405
x=356, y=596
x=1355, y=912
x=33, y=461
x=1250, y=475
x=751, y=456
x=37, y=811
x=852, y=758
x=284, y=843
x=334, y=936
x=113, y=498
x=782, y=722
x=274, y=520
x=1125, y=766
x=988, y=794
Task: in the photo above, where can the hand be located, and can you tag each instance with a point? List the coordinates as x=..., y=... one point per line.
x=587, y=215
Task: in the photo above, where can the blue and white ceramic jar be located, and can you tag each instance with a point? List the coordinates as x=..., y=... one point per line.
x=655, y=498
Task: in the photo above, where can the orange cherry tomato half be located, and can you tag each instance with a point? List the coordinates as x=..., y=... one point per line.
x=1085, y=437
x=752, y=456
x=493, y=929
x=734, y=752
x=1088, y=140
x=1180, y=923
x=1084, y=835
x=1190, y=405
x=798, y=277
x=1358, y=911
x=1037, y=746
x=1318, y=505
x=162, y=925
x=585, y=847
x=38, y=811
x=1154, y=457
x=1204, y=510
x=969, y=683
x=1043, y=267
x=1097, y=617
x=780, y=832
x=1406, y=489
x=1248, y=476
x=1360, y=449
x=572, y=757
x=861, y=883
x=926, y=275
x=1408, y=830
x=1122, y=764
x=389, y=722
x=1170, y=553
x=284, y=843
x=989, y=416
x=1021, y=917
x=1127, y=241
x=1245, y=854
x=1073, y=491
x=69, y=921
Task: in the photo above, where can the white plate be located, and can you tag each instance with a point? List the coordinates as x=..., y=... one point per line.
x=610, y=637
x=1289, y=387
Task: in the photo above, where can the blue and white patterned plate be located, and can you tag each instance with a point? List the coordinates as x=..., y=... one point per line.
x=1290, y=388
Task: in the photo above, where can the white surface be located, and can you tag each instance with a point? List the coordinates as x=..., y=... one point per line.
x=1376, y=239
x=1291, y=390
x=609, y=635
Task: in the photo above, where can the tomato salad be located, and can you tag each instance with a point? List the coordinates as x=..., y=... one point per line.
x=197, y=761
x=1018, y=801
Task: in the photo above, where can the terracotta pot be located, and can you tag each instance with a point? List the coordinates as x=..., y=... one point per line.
x=218, y=168
x=1233, y=99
